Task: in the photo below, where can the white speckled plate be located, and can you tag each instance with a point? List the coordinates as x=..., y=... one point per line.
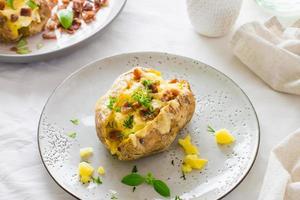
x=220, y=103
x=66, y=43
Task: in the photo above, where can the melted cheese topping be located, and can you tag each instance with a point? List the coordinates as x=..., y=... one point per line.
x=117, y=118
x=23, y=21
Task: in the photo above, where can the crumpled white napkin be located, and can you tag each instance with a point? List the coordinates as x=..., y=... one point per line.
x=282, y=179
x=271, y=52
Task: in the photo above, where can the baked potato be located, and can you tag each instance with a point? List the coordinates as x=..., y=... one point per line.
x=21, y=18
x=142, y=113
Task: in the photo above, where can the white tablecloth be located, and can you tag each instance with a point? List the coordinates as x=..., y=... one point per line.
x=143, y=26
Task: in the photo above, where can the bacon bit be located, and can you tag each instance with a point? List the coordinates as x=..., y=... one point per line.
x=54, y=17
x=25, y=12
x=154, y=87
x=88, y=16
x=137, y=74
x=115, y=135
x=87, y=7
x=175, y=80
x=97, y=4
x=104, y=3
x=77, y=6
x=14, y=18
x=65, y=1
x=2, y=5
x=70, y=31
x=136, y=105
x=14, y=49
x=170, y=95
x=51, y=25
x=49, y=35
x=126, y=108
x=76, y=24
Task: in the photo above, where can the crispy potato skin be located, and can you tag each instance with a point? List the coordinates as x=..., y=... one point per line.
x=33, y=28
x=158, y=134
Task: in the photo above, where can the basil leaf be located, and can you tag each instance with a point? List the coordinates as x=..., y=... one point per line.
x=161, y=188
x=10, y=3
x=65, y=18
x=149, y=179
x=133, y=179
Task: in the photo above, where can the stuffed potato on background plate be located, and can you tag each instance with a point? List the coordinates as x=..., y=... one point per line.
x=219, y=102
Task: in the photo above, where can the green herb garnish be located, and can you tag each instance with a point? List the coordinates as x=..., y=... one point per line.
x=72, y=134
x=210, y=129
x=75, y=121
x=128, y=123
x=134, y=169
x=113, y=197
x=31, y=4
x=112, y=101
x=10, y=3
x=97, y=180
x=177, y=197
x=142, y=96
x=159, y=186
x=147, y=83
x=21, y=47
x=65, y=18
x=133, y=179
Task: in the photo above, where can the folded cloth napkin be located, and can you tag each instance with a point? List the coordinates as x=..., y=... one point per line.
x=282, y=179
x=271, y=52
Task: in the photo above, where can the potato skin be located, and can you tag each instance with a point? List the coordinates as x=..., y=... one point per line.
x=33, y=28
x=158, y=134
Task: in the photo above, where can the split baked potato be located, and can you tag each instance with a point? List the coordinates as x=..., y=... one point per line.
x=142, y=113
x=21, y=18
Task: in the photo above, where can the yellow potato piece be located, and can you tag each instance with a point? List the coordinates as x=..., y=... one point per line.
x=188, y=147
x=186, y=168
x=101, y=170
x=85, y=153
x=223, y=136
x=194, y=161
x=85, y=171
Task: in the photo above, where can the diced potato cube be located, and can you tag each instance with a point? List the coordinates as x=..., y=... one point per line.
x=188, y=147
x=85, y=171
x=85, y=153
x=101, y=170
x=223, y=136
x=186, y=168
x=194, y=161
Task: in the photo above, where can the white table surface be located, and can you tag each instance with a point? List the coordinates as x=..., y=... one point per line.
x=143, y=26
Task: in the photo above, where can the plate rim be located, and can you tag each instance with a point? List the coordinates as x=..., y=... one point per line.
x=21, y=58
x=158, y=53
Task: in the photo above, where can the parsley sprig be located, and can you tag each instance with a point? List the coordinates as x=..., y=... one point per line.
x=143, y=97
x=111, y=104
x=128, y=123
x=97, y=180
x=135, y=179
x=210, y=129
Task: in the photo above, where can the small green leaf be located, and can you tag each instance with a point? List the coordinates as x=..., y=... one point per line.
x=134, y=169
x=31, y=4
x=10, y=3
x=97, y=180
x=133, y=179
x=210, y=129
x=23, y=50
x=112, y=101
x=75, y=121
x=161, y=188
x=72, y=134
x=113, y=197
x=65, y=18
x=22, y=43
